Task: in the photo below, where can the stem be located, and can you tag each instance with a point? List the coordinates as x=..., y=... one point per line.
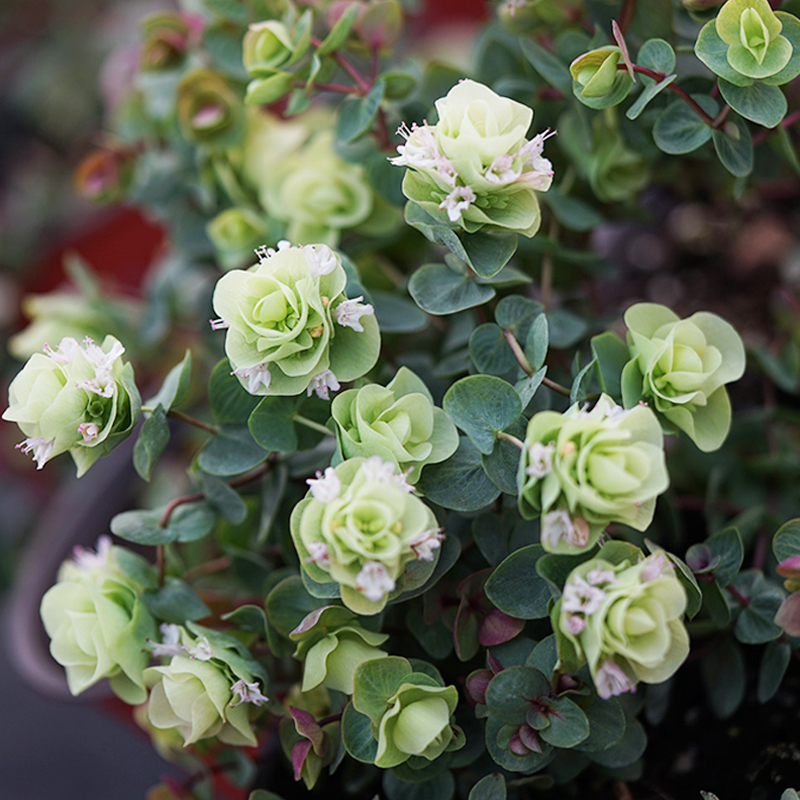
x=315, y=426
x=178, y=501
x=508, y=437
x=658, y=77
x=721, y=117
x=787, y=122
x=547, y=266
x=330, y=87
x=739, y=597
x=362, y=84
x=209, y=568
x=556, y=387
x=519, y=354
x=327, y=721
x=198, y=423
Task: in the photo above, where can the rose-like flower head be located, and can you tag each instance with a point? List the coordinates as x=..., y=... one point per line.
x=79, y=398
x=399, y=423
x=266, y=46
x=212, y=687
x=332, y=645
x=625, y=620
x=98, y=624
x=166, y=38
x=361, y=527
x=209, y=111
x=235, y=234
x=283, y=335
x=681, y=367
x=475, y=168
x=595, y=72
x=583, y=469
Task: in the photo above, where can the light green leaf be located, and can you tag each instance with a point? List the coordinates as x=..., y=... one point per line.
x=175, y=387
x=357, y=115
x=338, y=34
x=679, y=130
x=151, y=443
x=734, y=146
x=439, y=290
x=760, y=103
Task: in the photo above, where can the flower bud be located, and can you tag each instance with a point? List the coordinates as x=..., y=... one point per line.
x=381, y=23
x=267, y=45
x=360, y=526
x=681, y=368
x=209, y=111
x=76, y=398
x=596, y=71
x=166, y=39
x=235, y=234
x=290, y=326
x=582, y=470
x=98, y=624
x=399, y=423
x=475, y=168
x=104, y=175
x=625, y=621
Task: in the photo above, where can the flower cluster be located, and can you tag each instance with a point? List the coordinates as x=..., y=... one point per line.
x=76, y=398
x=475, y=168
x=583, y=469
x=625, y=621
x=360, y=526
x=290, y=326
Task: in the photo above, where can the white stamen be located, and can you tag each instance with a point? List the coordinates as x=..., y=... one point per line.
x=40, y=448
x=427, y=541
x=325, y=487
x=318, y=554
x=87, y=558
x=540, y=457
x=322, y=383
x=89, y=431
x=581, y=598
x=203, y=650
x=558, y=526
x=263, y=252
x=248, y=693
x=610, y=680
x=374, y=581
x=218, y=324
x=376, y=469
x=458, y=201
x=103, y=362
x=350, y=312
x=255, y=376
x=170, y=642
x=421, y=151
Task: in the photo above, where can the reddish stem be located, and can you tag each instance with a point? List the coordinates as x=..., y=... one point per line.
x=330, y=87
x=363, y=85
x=658, y=77
x=787, y=122
x=739, y=597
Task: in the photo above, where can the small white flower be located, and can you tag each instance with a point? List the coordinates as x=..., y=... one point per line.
x=376, y=469
x=321, y=259
x=541, y=459
x=103, y=362
x=654, y=567
x=610, y=680
x=598, y=576
x=89, y=431
x=259, y=374
x=426, y=542
x=325, y=487
x=318, y=554
x=41, y=449
x=322, y=383
x=65, y=352
x=581, y=598
x=203, y=650
x=458, y=201
x=574, y=623
x=374, y=581
x=349, y=312
x=102, y=384
x=86, y=558
x=502, y=171
x=170, y=642
x=558, y=526
x=248, y=693
x=264, y=252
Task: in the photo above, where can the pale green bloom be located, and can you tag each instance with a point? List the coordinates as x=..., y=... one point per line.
x=266, y=46
x=417, y=723
x=290, y=326
x=76, y=398
x=398, y=422
x=625, y=620
x=361, y=527
x=681, y=367
x=332, y=645
x=582, y=470
x=235, y=234
x=209, y=110
x=596, y=71
x=475, y=168
x=98, y=624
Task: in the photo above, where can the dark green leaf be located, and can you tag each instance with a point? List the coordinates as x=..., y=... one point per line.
x=438, y=290
x=627, y=750
x=533, y=762
x=249, y=618
x=272, y=424
x=357, y=736
x=151, y=443
x=488, y=253
x=516, y=589
x=527, y=387
x=489, y=350
x=714, y=603
x=760, y=103
x=175, y=387
x=187, y=523
x=502, y=464
x=566, y=328
x=568, y=724
x=356, y=115
x=580, y=386
x=537, y=342
x=679, y=130
x=510, y=693
x=572, y=213
x=755, y=622
x=726, y=544
x=549, y=66
x=441, y=786
x=786, y=543
x=492, y=787
x=606, y=725
x=611, y=355
x=723, y=673
x=232, y=452
x=734, y=146
x=774, y=663
x=224, y=500
x=651, y=90
x=288, y=604
x=396, y=314
x=657, y=55
x=230, y=403
x=175, y=602
x=517, y=313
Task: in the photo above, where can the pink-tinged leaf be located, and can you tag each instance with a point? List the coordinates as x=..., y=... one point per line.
x=620, y=40
x=529, y=738
x=309, y=621
x=517, y=746
x=307, y=727
x=789, y=567
x=494, y=664
x=788, y=616
x=498, y=628
x=300, y=751
x=477, y=683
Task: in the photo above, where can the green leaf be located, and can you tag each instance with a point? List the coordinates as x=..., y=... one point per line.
x=438, y=290
x=537, y=342
x=492, y=787
x=580, y=386
x=516, y=589
x=651, y=90
x=488, y=253
x=264, y=91
x=232, y=452
x=723, y=673
x=517, y=313
x=482, y=405
x=657, y=55
x=566, y=328
x=533, y=762
x=288, y=604
x=606, y=725
x=786, y=543
x=396, y=314
x=679, y=130
x=459, y=483
x=527, y=387
x=357, y=114
x=175, y=602
x=136, y=567
x=760, y=103
x=713, y=52
x=152, y=442
x=186, y=524
x=549, y=66
x=572, y=213
x=502, y=464
x=442, y=786
x=490, y=351
x=510, y=693
x=225, y=500
x=568, y=724
x=726, y=544
x=249, y=618
x=230, y=403
x=338, y=34
x=435, y=231
x=272, y=424
x=175, y=388
x=374, y=682
x=734, y=146
x=755, y=622
x=714, y=603
x=628, y=749
x=611, y=355
x=357, y=736
x=774, y=663
x=261, y=794
x=619, y=90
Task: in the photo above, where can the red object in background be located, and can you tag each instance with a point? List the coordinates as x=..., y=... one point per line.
x=120, y=247
x=442, y=12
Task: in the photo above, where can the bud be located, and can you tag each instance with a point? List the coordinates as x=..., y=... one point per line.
x=104, y=175
x=235, y=234
x=267, y=45
x=596, y=71
x=209, y=111
x=381, y=23
x=166, y=39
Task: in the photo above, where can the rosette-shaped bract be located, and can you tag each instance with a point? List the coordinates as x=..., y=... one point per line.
x=475, y=168
x=209, y=110
x=76, y=398
x=207, y=688
x=98, y=624
x=235, y=234
x=291, y=328
x=681, y=368
x=584, y=469
x=360, y=526
x=398, y=422
x=625, y=621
